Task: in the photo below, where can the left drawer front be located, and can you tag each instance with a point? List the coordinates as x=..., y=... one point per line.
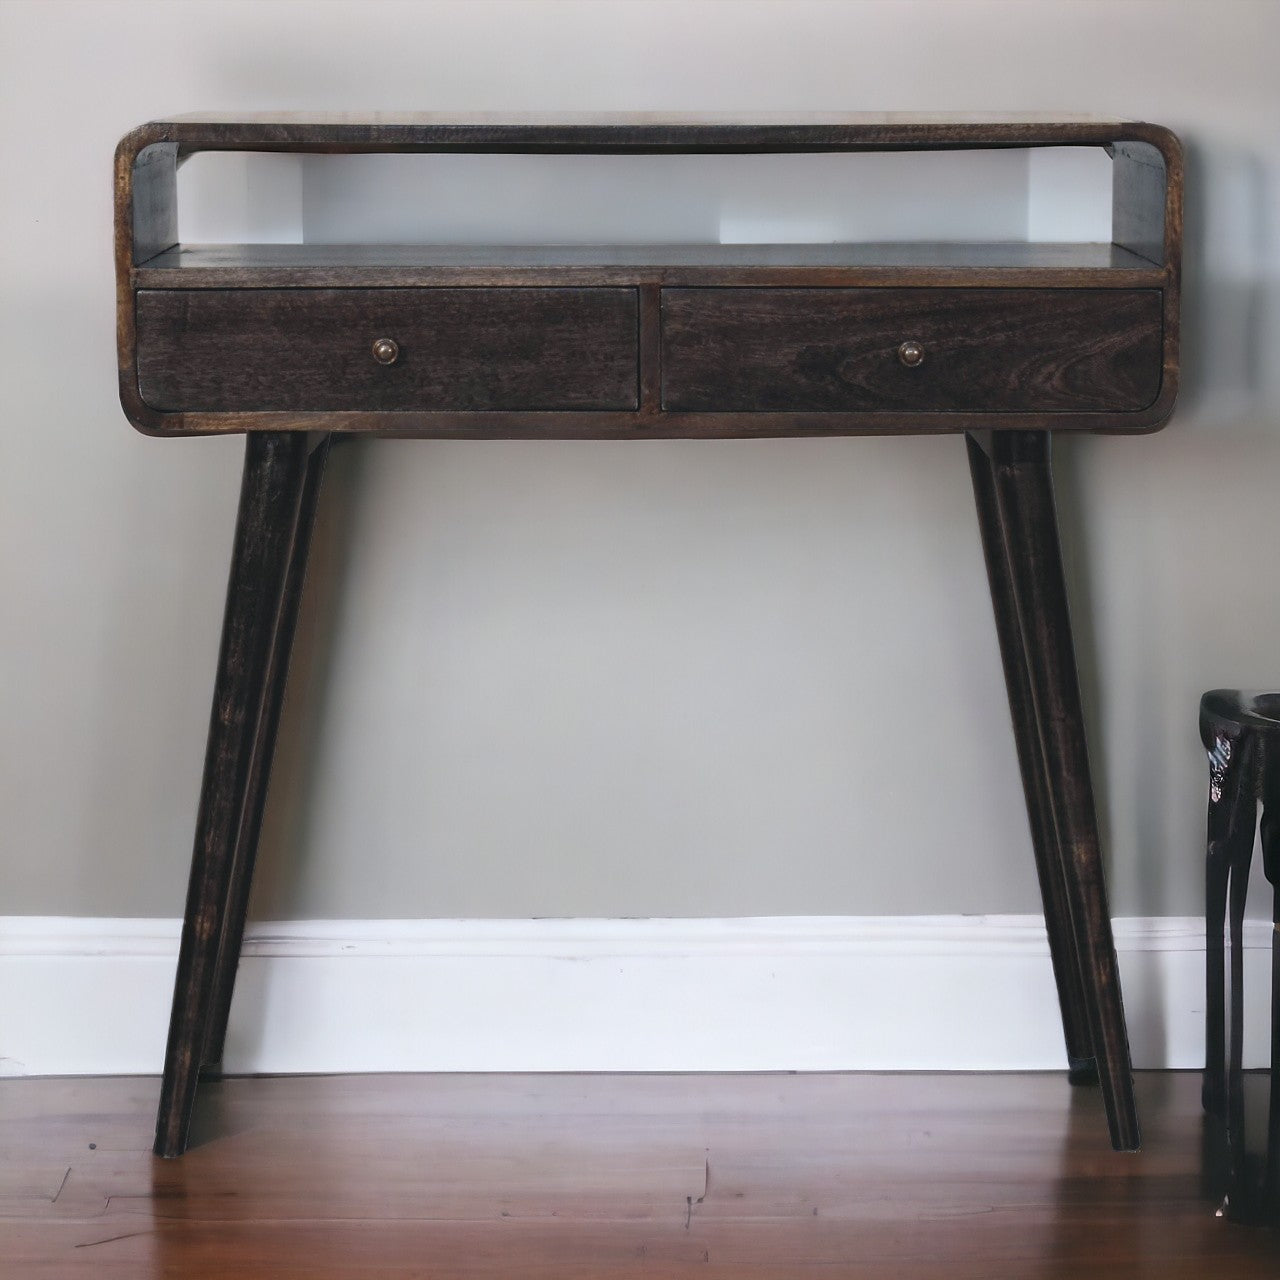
x=459, y=350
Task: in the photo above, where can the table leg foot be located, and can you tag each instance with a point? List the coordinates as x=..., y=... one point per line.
x=1082, y=1071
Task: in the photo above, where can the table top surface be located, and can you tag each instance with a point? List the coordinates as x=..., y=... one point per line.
x=653, y=131
x=557, y=119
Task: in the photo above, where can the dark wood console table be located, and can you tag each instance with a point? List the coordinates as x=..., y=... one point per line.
x=296, y=345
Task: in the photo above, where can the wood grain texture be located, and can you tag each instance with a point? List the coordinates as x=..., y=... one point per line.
x=1018, y=473
x=642, y=133
x=591, y=425
x=986, y=350
x=281, y=350
x=253, y=805
x=1027, y=338
x=145, y=199
x=1143, y=206
x=1147, y=219
x=271, y=499
x=918, y=263
x=917, y=1177
x=1050, y=871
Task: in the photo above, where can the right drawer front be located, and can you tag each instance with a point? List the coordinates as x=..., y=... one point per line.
x=984, y=350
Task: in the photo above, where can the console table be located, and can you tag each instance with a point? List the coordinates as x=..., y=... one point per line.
x=297, y=345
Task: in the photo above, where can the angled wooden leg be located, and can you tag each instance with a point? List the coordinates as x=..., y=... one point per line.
x=1025, y=506
x=263, y=750
x=1053, y=888
x=275, y=470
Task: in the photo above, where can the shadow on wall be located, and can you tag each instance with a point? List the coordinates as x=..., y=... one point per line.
x=1226, y=316
x=1227, y=313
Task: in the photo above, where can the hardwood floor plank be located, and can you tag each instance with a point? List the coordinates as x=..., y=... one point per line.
x=333, y=1178
x=1010, y=1243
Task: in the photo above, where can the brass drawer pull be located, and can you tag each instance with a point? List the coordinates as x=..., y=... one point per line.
x=386, y=350
x=911, y=354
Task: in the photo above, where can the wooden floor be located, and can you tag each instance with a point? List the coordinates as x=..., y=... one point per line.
x=614, y=1176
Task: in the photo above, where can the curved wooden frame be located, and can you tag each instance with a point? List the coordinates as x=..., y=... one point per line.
x=1147, y=239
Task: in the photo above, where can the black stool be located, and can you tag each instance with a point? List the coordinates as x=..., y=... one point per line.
x=1241, y=732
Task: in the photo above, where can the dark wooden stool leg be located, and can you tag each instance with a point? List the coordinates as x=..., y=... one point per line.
x=264, y=745
x=1240, y=1194
x=275, y=470
x=1231, y=821
x=1025, y=506
x=1053, y=889
x=1271, y=862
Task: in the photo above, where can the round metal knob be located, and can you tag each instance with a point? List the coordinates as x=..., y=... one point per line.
x=386, y=350
x=911, y=353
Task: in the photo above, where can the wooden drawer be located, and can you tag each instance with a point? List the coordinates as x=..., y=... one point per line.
x=310, y=350
x=985, y=350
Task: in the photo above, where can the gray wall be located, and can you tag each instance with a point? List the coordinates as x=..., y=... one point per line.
x=677, y=678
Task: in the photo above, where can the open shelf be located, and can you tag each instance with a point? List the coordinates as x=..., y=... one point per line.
x=228, y=266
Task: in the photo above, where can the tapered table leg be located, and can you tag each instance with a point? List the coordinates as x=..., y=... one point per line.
x=263, y=751
x=276, y=468
x=1053, y=888
x=1026, y=518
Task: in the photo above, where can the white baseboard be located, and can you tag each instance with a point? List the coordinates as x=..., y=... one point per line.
x=955, y=993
